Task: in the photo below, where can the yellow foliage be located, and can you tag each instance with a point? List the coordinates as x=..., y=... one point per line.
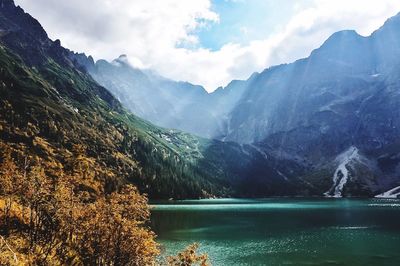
x=54, y=214
x=43, y=145
x=48, y=221
x=189, y=257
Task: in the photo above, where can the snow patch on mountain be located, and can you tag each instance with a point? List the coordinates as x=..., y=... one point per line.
x=394, y=193
x=342, y=174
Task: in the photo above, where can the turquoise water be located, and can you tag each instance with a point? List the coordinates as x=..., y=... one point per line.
x=283, y=231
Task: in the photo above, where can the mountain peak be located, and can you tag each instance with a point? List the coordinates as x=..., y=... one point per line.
x=122, y=59
x=14, y=19
x=343, y=36
x=341, y=45
x=391, y=26
x=393, y=20
x=7, y=3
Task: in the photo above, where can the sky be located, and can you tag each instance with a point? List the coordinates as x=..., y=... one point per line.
x=205, y=42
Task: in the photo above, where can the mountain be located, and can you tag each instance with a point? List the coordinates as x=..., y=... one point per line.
x=50, y=105
x=343, y=69
x=344, y=96
x=336, y=110
x=165, y=102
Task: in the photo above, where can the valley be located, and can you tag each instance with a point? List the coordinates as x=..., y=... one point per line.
x=106, y=163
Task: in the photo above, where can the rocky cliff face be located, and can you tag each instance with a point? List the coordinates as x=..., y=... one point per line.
x=346, y=94
x=333, y=83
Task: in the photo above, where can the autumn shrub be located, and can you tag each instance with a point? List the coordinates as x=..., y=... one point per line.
x=47, y=221
x=52, y=214
x=188, y=257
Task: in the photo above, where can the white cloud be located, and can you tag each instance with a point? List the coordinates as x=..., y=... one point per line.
x=159, y=34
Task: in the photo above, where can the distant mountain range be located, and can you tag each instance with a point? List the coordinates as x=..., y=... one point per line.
x=165, y=102
x=326, y=125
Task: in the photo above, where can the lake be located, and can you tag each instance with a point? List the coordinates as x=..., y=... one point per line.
x=283, y=231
